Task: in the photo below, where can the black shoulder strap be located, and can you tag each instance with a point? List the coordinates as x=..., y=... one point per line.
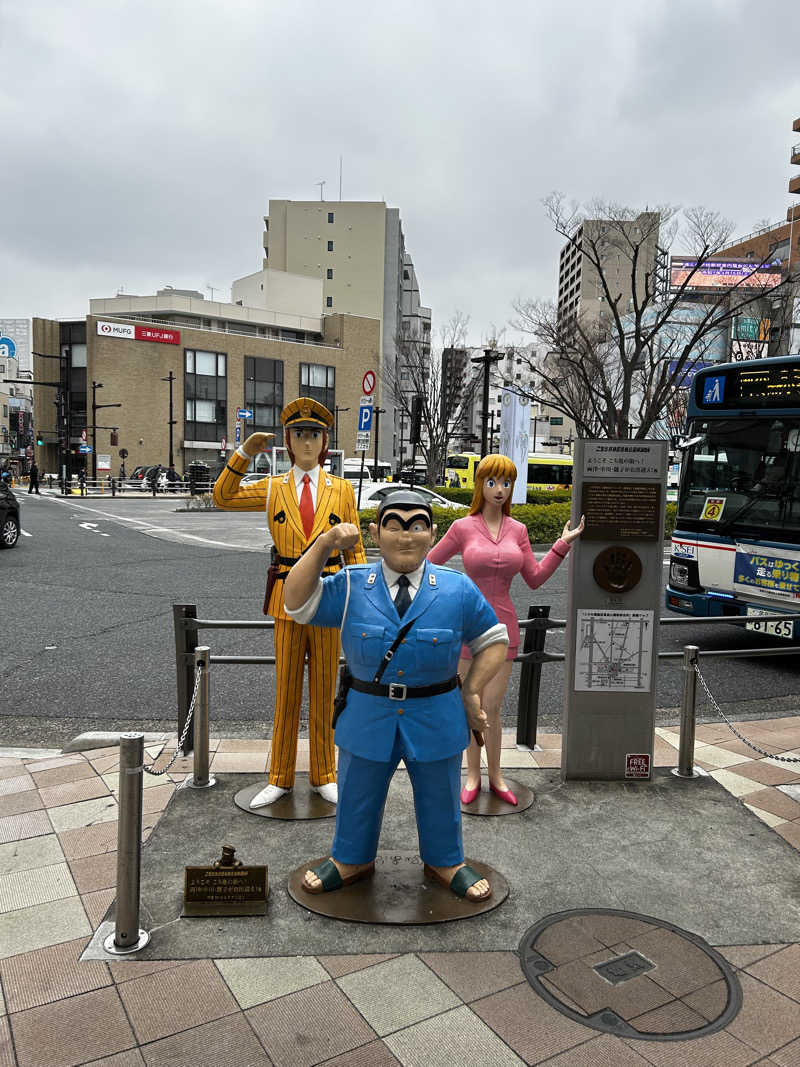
x=391, y=651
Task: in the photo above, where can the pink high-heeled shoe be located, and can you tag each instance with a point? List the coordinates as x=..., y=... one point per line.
x=503, y=794
x=468, y=795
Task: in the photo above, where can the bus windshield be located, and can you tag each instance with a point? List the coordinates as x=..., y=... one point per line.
x=459, y=463
x=743, y=474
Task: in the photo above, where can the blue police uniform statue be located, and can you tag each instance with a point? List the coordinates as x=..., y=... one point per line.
x=430, y=732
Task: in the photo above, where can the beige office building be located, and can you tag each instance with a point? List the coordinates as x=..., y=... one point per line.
x=222, y=357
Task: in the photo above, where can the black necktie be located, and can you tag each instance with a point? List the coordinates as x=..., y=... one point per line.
x=402, y=598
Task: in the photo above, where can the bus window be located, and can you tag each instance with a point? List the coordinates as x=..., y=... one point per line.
x=460, y=470
x=548, y=473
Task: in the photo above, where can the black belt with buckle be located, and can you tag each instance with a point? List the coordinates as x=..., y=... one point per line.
x=289, y=561
x=395, y=691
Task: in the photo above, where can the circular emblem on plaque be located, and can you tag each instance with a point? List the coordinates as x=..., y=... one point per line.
x=617, y=569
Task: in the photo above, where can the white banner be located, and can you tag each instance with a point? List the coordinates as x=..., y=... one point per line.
x=742, y=351
x=115, y=329
x=103, y=462
x=515, y=423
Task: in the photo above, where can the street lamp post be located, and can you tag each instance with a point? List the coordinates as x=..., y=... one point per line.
x=336, y=411
x=95, y=408
x=171, y=378
x=377, y=413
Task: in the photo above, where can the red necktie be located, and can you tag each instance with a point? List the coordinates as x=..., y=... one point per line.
x=307, y=507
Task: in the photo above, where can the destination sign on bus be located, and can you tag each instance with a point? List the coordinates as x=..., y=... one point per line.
x=750, y=386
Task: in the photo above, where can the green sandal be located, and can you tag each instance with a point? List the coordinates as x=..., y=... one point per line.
x=328, y=874
x=464, y=878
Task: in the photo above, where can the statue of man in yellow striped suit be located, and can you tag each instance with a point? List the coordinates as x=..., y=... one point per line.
x=300, y=505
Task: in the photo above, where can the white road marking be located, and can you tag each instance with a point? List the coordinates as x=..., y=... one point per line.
x=25, y=533
x=150, y=528
x=92, y=528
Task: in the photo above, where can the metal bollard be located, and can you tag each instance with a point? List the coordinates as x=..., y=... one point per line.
x=127, y=936
x=530, y=679
x=685, y=768
x=200, y=778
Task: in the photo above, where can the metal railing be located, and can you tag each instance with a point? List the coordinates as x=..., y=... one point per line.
x=186, y=625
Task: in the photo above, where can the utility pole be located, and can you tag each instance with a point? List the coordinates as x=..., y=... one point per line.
x=336, y=411
x=490, y=356
x=95, y=408
x=377, y=413
x=170, y=378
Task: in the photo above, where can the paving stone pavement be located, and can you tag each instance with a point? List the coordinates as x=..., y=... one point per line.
x=57, y=874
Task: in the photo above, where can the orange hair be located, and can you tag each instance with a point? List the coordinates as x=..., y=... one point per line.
x=492, y=466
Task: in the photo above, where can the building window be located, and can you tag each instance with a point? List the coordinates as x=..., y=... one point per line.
x=263, y=394
x=318, y=382
x=330, y=246
x=330, y=216
x=328, y=301
x=205, y=389
x=405, y=275
x=329, y=273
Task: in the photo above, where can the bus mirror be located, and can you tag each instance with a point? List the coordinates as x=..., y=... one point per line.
x=687, y=442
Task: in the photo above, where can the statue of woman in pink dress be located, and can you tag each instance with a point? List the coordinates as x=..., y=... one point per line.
x=494, y=548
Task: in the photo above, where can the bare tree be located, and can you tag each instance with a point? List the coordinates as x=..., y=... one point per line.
x=444, y=401
x=614, y=368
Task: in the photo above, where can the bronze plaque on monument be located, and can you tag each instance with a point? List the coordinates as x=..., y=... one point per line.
x=617, y=569
x=226, y=887
x=621, y=511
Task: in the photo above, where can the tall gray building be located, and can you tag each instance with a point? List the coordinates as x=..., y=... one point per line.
x=357, y=248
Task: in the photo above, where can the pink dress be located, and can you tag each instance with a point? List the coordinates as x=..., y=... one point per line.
x=493, y=564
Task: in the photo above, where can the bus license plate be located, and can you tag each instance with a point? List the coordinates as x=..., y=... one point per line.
x=779, y=628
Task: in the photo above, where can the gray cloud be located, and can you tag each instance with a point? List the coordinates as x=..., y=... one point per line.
x=142, y=141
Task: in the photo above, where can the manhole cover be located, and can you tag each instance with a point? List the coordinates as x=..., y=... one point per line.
x=630, y=975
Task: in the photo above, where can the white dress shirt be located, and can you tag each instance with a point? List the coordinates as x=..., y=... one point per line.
x=298, y=474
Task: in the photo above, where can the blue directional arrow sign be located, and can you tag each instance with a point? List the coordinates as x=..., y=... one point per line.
x=85, y=448
x=365, y=415
x=244, y=413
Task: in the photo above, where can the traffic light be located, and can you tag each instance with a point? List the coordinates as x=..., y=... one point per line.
x=39, y=440
x=114, y=437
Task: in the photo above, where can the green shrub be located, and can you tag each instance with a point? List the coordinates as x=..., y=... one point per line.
x=544, y=522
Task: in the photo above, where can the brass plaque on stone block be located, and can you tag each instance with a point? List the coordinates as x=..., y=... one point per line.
x=227, y=887
x=621, y=511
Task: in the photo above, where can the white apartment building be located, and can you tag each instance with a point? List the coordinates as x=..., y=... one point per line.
x=357, y=250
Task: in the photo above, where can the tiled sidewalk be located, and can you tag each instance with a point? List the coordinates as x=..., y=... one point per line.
x=57, y=871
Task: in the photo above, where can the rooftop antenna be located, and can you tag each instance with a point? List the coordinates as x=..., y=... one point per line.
x=212, y=289
x=340, y=177
x=321, y=186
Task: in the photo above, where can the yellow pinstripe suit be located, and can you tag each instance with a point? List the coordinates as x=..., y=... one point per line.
x=293, y=642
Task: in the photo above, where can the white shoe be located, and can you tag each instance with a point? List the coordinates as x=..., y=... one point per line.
x=329, y=792
x=267, y=796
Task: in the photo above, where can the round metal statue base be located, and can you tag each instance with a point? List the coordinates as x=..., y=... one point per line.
x=296, y=804
x=114, y=949
x=398, y=894
x=486, y=803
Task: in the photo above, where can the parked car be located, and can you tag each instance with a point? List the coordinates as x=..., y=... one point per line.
x=9, y=516
x=420, y=475
x=373, y=492
x=137, y=478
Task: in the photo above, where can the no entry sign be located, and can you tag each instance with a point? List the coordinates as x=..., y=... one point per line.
x=368, y=382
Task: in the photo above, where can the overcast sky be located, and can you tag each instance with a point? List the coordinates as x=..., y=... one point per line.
x=141, y=142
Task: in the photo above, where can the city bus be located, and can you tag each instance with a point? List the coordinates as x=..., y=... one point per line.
x=545, y=470
x=736, y=545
